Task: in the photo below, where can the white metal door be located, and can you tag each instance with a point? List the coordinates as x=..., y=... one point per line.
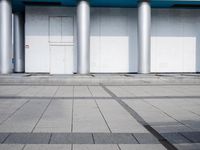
x=57, y=60
x=61, y=40
x=61, y=61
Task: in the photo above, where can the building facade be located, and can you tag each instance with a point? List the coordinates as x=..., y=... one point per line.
x=100, y=36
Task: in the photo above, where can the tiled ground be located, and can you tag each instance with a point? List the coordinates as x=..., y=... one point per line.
x=99, y=117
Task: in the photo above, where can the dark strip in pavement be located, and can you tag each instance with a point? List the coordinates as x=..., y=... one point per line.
x=136, y=116
x=77, y=138
x=91, y=138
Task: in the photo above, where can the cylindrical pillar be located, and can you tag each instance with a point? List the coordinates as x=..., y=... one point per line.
x=144, y=36
x=83, y=36
x=5, y=36
x=19, y=56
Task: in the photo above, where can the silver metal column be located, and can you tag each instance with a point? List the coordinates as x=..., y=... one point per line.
x=144, y=36
x=5, y=36
x=83, y=37
x=19, y=57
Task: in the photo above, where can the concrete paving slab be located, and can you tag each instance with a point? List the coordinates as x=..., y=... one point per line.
x=25, y=118
x=95, y=147
x=47, y=147
x=193, y=136
x=57, y=117
x=142, y=147
x=31, y=91
x=11, y=147
x=146, y=138
x=28, y=138
x=72, y=138
x=118, y=119
x=65, y=91
x=114, y=138
x=3, y=136
x=120, y=91
x=47, y=91
x=9, y=106
x=11, y=90
x=81, y=91
x=152, y=116
x=137, y=91
x=87, y=117
x=98, y=91
x=175, y=138
x=172, y=128
x=188, y=146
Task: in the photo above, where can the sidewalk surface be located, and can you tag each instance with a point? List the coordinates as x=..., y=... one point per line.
x=100, y=112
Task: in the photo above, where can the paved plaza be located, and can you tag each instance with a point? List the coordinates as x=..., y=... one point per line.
x=100, y=113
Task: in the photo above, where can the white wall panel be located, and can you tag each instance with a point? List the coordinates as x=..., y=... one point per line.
x=174, y=42
x=113, y=40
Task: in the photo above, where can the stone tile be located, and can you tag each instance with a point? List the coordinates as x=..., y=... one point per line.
x=11, y=147
x=57, y=117
x=146, y=138
x=151, y=115
x=193, y=136
x=172, y=128
x=175, y=138
x=87, y=117
x=9, y=106
x=120, y=91
x=65, y=91
x=47, y=91
x=11, y=90
x=81, y=91
x=30, y=91
x=98, y=91
x=188, y=146
x=118, y=119
x=47, y=147
x=95, y=147
x=114, y=138
x=3, y=136
x=142, y=147
x=137, y=91
x=71, y=138
x=28, y=138
x=26, y=118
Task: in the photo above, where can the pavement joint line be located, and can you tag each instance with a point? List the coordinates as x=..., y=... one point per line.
x=118, y=147
x=136, y=116
x=194, y=112
x=100, y=98
x=135, y=138
x=45, y=109
x=23, y=146
x=6, y=138
x=72, y=119
x=98, y=84
x=50, y=138
x=26, y=102
x=100, y=111
x=186, y=137
x=93, y=138
x=167, y=114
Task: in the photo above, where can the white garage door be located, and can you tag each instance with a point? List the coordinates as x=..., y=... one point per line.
x=113, y=40
x=174, y=42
